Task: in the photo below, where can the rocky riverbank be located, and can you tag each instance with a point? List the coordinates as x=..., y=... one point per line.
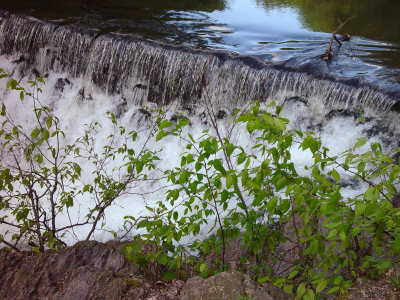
x=93, y=270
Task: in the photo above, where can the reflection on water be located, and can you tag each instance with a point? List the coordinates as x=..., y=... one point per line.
x=274, y=30
x=373, y=19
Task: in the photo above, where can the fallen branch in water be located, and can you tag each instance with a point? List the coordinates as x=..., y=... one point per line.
x=328, y=53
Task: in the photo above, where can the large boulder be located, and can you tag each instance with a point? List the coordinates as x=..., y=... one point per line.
x=87, y=270
x=230, y=286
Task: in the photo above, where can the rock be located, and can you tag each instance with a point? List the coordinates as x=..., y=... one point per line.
x=177, y=117
x=36, y=72
x=141, y=86
x=81, y=93
x=221, y=114
x=337, y=113
x=203, y=118
x=19, y=60
x=60, y=84
x=121, y=108
x=145, y=112
x=295, y=99
x=396, y=106
x=230, y=286
x=396, y=201
x=87, y=270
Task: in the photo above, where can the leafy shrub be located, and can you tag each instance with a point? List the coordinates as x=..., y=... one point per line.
x=41, y=178
x=297, y=231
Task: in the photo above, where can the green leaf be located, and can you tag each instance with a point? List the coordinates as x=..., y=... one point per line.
x=49, y=120
x=359, y=209
x=139, y=166
x=45, y=134
x=288, y=288
x=231, y=180
x=397, y=243
x=279, y=124
x=160, y=135
x=183, y=121
x=321, y=286
x=165, y=124
x=12, y=83
x=134, y=136
x=281, y=183
x=202, y=267
x=3, y=110
x=310, y=143
x=39, y=158
x=332, y=205
x=301, y=290
x=292, y=274
x=253, y=125
x=272, y=204
x=343, y=236
x=356, y=231
x=335, y=175
x=219, y=167
x=380, y=213
x=77, y=169
x=263, y=279
x=229, y=149
x=39, y=142
x=333, y=290
x=224, y=195
x=241, y=158
x=34, y=134
x=133, y=247
x=284, y=205
x=390, y=187
x=183, y=177
x=309, y=295
x=360, y=142
x=22, y=214
x=198, y=166
x=162, y=259
x=191, y=138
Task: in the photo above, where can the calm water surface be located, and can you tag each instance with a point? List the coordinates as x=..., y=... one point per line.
x=274, y=30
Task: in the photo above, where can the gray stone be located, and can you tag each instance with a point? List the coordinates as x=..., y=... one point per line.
x=87, y=270
x=230, y=286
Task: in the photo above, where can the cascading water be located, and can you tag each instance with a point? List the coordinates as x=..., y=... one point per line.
x=88, y=73
x=143, y=71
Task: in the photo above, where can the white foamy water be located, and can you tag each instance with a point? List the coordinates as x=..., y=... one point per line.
x=78, y=102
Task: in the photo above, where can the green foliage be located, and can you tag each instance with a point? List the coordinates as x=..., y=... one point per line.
x=245, y=297
x=298, y=232
x=257, y=197
x=41, y=177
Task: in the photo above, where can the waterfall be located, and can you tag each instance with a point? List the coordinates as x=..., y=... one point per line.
x=152, y=72
x=88, y=73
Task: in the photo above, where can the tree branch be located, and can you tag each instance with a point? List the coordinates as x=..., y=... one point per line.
x=328, y=53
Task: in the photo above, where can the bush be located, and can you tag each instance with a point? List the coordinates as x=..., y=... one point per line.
x=296, y=231
x=41, y=178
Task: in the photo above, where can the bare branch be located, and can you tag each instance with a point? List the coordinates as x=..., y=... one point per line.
x=328, y=53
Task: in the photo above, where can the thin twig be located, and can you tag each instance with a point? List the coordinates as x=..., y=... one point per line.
x=328, y=53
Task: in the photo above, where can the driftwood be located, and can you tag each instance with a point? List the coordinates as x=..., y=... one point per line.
x=328, y=53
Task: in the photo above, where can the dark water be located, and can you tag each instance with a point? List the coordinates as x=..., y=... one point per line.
x=142, y=71
x=276, y=31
